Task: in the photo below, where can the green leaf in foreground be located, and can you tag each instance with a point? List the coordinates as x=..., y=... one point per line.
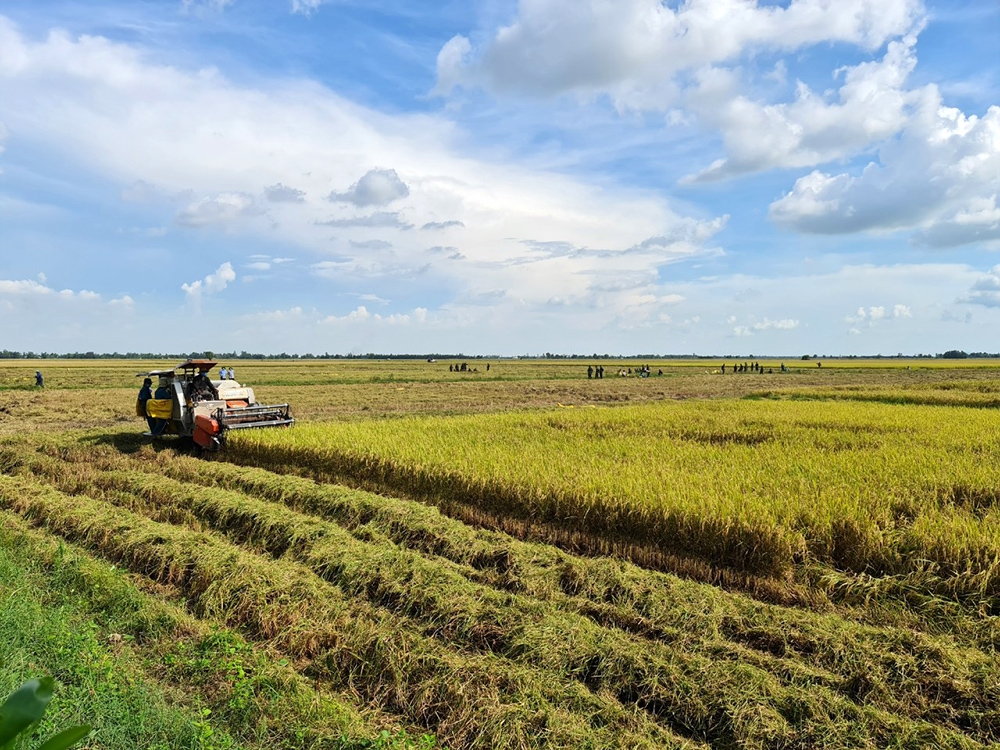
x=66, y=738
x=23, y=708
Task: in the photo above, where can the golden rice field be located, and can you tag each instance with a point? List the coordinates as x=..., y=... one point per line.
x=755, y=486
x=514, y=559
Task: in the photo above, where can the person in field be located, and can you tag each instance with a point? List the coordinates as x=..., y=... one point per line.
x=590, y=372
x=202, y=389
x=162, y=392
x=39, y=380
x=146, y=393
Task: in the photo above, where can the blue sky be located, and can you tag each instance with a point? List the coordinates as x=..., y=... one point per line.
x=710, y=176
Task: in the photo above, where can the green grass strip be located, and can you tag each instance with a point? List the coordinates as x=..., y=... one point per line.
x=47, y=629
x=149, y=675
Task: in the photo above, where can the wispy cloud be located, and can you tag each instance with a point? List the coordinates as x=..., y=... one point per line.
x=283, y=194
x=305, y=7
x=223, y=208
x=377, y=220
x=434, y=225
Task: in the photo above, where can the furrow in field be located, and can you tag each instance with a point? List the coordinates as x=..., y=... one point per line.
x=468, y=700
x=905, y=674
x=433, y=591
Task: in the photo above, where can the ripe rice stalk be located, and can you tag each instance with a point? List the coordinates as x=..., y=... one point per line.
x=753, y=486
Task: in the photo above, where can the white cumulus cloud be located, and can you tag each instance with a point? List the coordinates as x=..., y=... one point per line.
x=214, y=282
x=632, y=49
x=940, y=177
x=379, y=187
x=986, y=289
x=868, y=317
x=872, y=105
x=23, y=286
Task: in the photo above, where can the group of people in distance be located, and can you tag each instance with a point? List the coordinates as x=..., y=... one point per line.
x=752, y=367
x=226, y=374
x=464, y=367
x=597, y=372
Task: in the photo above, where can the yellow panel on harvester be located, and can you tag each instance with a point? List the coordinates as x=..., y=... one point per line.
x=160, y=408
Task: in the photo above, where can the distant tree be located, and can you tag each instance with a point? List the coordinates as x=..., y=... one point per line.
x=954, y=354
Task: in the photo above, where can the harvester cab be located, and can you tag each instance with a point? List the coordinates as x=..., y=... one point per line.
x=205, y=409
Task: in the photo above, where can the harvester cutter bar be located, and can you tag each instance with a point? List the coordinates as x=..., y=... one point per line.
x=254, y=425
x=248, y=417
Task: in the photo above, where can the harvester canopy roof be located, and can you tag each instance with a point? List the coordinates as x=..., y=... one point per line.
x=201, y=365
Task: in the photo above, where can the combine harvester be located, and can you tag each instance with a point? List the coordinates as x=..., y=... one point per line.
x=205, y=410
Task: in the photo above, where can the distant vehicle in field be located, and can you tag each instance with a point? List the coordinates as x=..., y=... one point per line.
x=204, y=409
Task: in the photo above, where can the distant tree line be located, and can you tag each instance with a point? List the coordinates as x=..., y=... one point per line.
x=959, y=354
